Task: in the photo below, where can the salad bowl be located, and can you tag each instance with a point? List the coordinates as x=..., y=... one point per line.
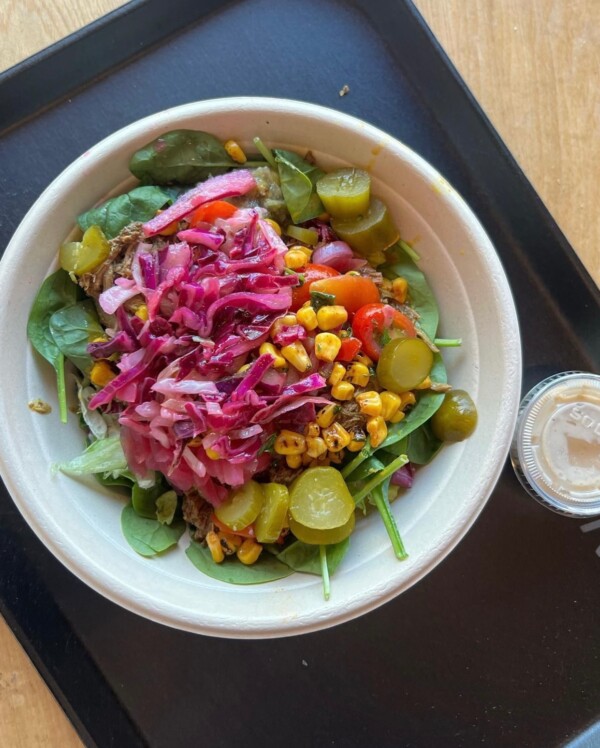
x=78, y=520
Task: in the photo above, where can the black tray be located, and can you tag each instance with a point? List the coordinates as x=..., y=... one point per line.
x=499, y=644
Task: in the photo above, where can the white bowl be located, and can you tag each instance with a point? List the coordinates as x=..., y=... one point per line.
x=79, y=522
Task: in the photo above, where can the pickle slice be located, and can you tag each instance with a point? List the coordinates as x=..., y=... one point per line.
x=345, y=193
x=84, y=256
x=242, y=507
x=322, y=537
x=273, y=514
x=370, y=233
x=320, y=499
x=403, y=364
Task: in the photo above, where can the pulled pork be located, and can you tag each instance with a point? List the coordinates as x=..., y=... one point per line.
x=197, y=512
x=117, y=264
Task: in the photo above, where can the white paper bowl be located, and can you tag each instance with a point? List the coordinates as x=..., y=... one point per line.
x=80, y=522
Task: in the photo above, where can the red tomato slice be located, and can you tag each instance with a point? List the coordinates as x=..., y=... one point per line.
x=310, y=273
x=349, y=348
x=376, y=324
x=209, y=212
x=351, y=291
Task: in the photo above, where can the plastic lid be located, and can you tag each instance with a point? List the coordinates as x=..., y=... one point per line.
x=556, y=446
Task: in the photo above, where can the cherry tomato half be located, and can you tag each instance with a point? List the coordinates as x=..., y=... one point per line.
x=310, y=273
x=350, y=291
x=376, y=324
x=349, y=348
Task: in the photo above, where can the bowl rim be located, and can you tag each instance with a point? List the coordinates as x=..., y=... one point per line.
x=170, y=614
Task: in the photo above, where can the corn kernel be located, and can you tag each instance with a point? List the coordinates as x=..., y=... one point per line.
x=335, y=458
x=142, y=312
x=235, y=152
x=307, y=317
x=229, y=542
x=359, y=439
x=294, y=461
x=295, y=259
x=315, y=446
x=329, y=317
x=289, y=443
x=397, y=417
x=101, y=374
x=352, y=272
x=336, y=437
x=307, y=251
x=408, y=398
x=400, y=290
x=296, y=354
x=390, y=403
x=326, y=416
x=249, y=551
x=327, y=346
x=286, y=321
x=212, y=454
x=280, y=362
x=362, y=358
x=343, y=391
x=377, y=430
x=337, y=373
x=274, y=225
x=99, y=339
x=369, y=403
x=386, y=284
x=312, y=429
x=243, y=369
x=214, y=546
x=424, y=385
x=195, y=442
x=358, y=374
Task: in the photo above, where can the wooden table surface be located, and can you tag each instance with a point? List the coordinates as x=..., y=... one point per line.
x=533, y=66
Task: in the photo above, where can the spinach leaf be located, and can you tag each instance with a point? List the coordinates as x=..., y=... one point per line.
x=232, y=571
x=421, y=296
x=73, y=328
x=147, y=536
x=125, y=480
x=104, y=456
x=298, y=179
x=143, y=500
x=56, y=292
x=183, y=157
x=166, y=506
x=422, y=445
x=112, y=216
x=380, y=497
x=306, y=558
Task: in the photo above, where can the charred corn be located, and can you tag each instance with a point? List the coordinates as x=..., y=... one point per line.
x=286, y=321
x=229, y=542
x=337, y=374
x=362, y=358
x=280, y=362
x=329, y=317
x=327, y=346
x=408, y=398
x=307, y=317
x=214, y=546
x=326, y=416
x=315, y=446
x=101, y=374
x=390, y=402
x=336, y=437
x=377, y=430
x=369, y=403
x=295, y=259
x=289, y=443
x=249, y=551
x=335, y=458
x=359, y=439
x=400, y=289
x=312, y=429
x=235, y=152
x=358, y=374
x=343, y=391
x=294, y=461
x=296, y=354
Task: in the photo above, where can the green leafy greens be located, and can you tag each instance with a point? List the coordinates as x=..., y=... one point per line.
x=73, y=328
x=183, y=157
x=267, y=569
x=298, y=180
x=148, y=536
x=112, y=216
x=57, y=292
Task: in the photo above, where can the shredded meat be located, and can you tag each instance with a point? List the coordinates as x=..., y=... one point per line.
x=350, y=417
x=197, y=512
x=117, y=264
x=279, y=472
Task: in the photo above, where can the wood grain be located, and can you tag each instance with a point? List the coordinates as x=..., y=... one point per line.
x=534, y=67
